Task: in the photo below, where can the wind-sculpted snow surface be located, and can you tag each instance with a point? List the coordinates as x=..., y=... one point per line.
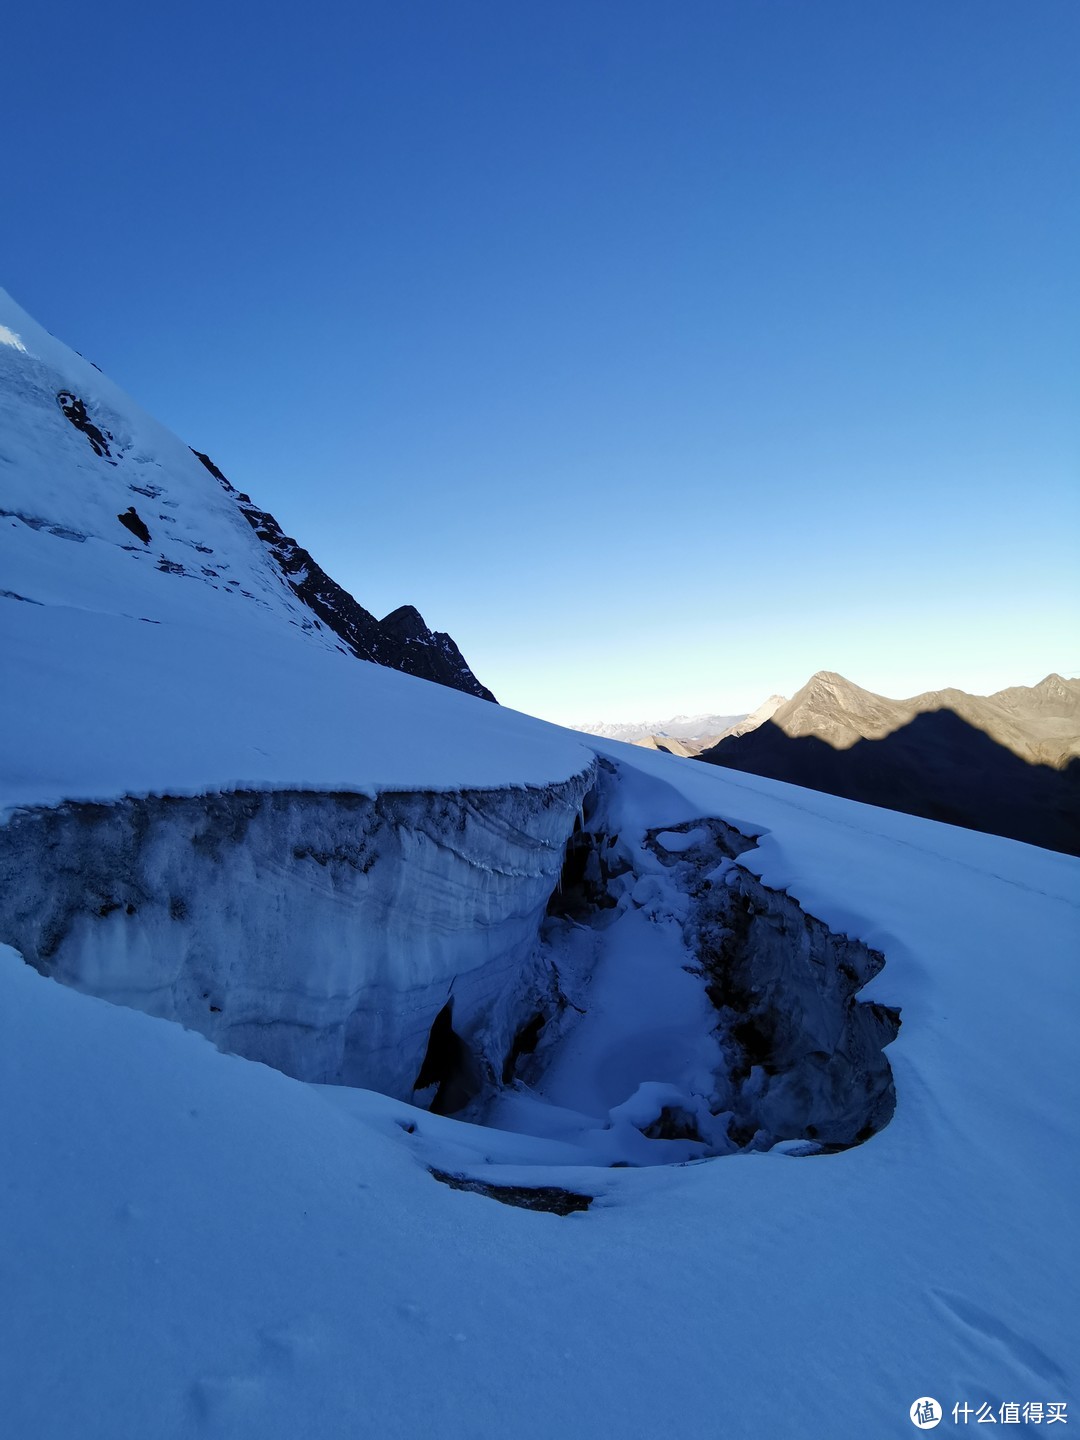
x=321, y=934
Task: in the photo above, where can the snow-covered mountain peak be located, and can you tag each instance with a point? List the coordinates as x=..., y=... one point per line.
x=105, y=510
x=170, y=637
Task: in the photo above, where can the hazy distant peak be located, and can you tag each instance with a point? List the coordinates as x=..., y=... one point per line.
x=679, y=727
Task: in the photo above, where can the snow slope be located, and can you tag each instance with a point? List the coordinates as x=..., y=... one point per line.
x=213, y=1249
x=198, y=1244
x=188, y=663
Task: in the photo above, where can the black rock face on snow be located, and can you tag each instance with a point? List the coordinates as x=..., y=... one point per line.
x=551, y=1198
x=133, y=521
x=74, y=410
x=401, y=641
x=431, y=654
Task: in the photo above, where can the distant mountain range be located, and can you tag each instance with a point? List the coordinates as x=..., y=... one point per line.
x=679, y=727
x=1007, y=763
x=684, y=735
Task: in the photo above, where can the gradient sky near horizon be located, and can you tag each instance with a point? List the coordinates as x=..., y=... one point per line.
x=662, y=353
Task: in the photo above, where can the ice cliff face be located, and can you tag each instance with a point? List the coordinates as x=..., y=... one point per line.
x=394, y=943
x=321, y=934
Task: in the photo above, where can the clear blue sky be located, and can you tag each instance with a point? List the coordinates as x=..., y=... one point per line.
x=662, y=353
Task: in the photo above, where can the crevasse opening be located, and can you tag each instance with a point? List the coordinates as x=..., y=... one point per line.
x=573, y=993
x=698, y=1012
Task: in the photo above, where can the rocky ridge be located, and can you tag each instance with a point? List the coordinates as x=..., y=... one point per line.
x=401, y=640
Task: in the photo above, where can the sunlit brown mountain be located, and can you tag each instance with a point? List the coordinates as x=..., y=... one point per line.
x=1007, y=763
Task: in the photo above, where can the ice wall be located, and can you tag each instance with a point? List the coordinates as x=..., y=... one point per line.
x=319, y=933
x=804, y=1058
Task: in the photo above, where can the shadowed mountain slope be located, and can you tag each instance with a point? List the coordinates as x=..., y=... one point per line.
x=1005, y=764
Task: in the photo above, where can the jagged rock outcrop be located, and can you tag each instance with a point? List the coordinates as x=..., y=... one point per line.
x=401, y=641
x=74, y=409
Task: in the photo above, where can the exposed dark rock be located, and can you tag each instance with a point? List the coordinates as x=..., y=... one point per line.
x=75, y=410
x=430, y=654
x=549, y=1198
x=131, y=520
x=212, y=468
x=401, y=641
